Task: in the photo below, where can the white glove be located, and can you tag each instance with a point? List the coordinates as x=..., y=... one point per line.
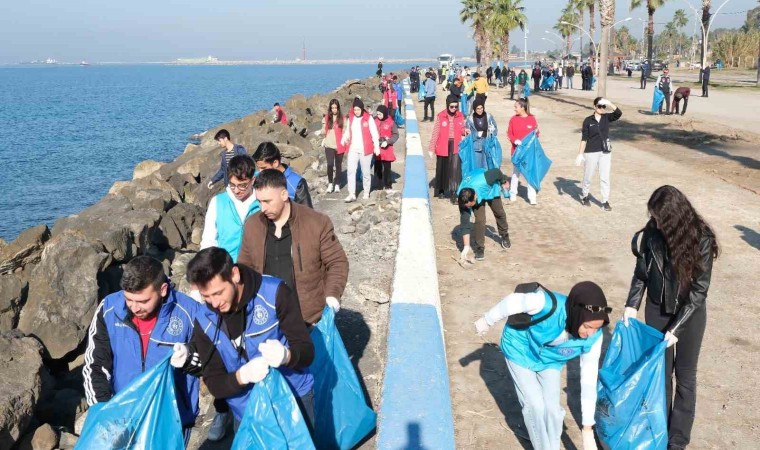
x=579, y=159
x=273, y=352
x=629, y=313
x=465, y=251
x=377, y=151
x=671, y=338
x=481, y=326
x=384, y=144
x=179, y=356
x=588, y=440
x=333, y=303
x=253, y=371
x=603, y=101
x=209, y=185
x=518, y=142
x=480, y=134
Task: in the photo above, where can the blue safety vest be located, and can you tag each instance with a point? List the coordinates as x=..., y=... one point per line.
x=261, y=324
x=529, y=347
x=292, y=180
x=229, y=227
x=476, y=180
x=174, y=324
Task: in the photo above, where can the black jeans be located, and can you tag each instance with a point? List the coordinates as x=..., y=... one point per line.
x=383, y=173
x=704, y=87
x=685, y=104
x=643, y=83
x=536, y=84
x=666, y=102
x=306, y=405
x=511, y=91
x=430, y=101
x=681, y=408
x=333, y=160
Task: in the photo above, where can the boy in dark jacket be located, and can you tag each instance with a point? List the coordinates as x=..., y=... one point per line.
x=230, y=151
x=268, y=156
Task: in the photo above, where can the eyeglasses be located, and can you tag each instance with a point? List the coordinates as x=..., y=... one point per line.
x=596, y=308
x=239, y=187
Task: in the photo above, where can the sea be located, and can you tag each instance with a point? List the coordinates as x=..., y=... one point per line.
x=68, y=132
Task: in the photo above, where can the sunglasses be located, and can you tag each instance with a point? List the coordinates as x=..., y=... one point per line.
x=596, y=309
x=453, y=106
x=601, y=106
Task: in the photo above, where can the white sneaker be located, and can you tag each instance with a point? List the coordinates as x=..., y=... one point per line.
x=512, y=197
x=329, y=188
x=366, y=196
x=533, y=202
x=336, y=188
x=219, y=426
x=350, y=198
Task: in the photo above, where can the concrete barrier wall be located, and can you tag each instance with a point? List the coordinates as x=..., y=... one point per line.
x=416, y=405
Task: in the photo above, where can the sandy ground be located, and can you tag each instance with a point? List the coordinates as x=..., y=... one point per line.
x=559, y=242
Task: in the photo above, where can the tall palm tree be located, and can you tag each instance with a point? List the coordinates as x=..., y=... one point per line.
x=591, y=5
x=473, y=12
x=580, y=6
x=606, y=18
x=652, y=6
x=506, y=15
x=569, y=16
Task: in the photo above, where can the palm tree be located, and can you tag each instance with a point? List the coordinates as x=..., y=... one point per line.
x=473, y=12
x=606, y=18
x=590, y=4
x=652, y=6
x=580, y=6
x=506, y=15
x=566, y=30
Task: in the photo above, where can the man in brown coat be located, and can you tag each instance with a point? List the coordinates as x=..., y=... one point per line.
x=296, y=244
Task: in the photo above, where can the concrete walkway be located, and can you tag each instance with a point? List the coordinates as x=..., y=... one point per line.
x=559, y=242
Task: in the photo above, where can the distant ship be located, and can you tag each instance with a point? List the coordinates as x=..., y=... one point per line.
x=84, y=63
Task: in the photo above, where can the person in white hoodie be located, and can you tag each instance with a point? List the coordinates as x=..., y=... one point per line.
x=362, y=140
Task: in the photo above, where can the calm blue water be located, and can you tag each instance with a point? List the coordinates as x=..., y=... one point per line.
x=68, y=132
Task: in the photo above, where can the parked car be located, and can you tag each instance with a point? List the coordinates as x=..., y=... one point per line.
x=657, y=66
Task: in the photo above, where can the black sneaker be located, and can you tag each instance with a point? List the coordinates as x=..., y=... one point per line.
x=505, y=244
x=606, y=206
x=585, y=201
x=480, y=255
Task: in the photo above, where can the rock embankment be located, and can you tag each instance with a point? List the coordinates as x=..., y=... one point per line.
x=51, y=280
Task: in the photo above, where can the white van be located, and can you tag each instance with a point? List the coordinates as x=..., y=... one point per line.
x=445, y=60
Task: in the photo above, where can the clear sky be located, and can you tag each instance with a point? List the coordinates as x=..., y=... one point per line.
x=162, y=30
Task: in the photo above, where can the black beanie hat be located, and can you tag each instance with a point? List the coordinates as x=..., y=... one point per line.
x=358, y=102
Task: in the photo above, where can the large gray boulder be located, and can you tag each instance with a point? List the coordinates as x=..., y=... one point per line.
x=64, y=293
x=24, y=250
x=13, y=292
x=177, y=224
x=21, y=386
x=145, y=168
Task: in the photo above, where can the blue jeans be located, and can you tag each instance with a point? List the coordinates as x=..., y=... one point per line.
x=538, y=393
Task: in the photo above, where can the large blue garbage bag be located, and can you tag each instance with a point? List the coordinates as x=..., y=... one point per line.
x=526, y=90
x=341, y=413
x=631, y=407
x=657, y=99
x=399, y=118
x=463, y=104
x=272, y=420
x=467, y=154
x=531, y=161
x=548, y=83
x=421, y=93
x=143, y=415
x=492, y=149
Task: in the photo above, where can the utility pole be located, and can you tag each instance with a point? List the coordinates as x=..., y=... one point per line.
x=525, y=44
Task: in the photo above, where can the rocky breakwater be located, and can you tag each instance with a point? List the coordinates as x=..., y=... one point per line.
x=51, y=280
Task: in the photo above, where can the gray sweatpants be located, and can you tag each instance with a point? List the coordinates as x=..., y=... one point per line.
x=602, y=161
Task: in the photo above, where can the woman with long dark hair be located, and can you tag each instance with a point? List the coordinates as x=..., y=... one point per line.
x=674, y=261
x=332, y=128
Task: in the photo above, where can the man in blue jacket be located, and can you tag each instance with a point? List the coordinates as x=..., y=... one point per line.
x=478, y=188
x=268, y=156
x=135, y=329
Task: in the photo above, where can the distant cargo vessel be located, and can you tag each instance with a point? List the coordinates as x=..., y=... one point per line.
x=84, y=63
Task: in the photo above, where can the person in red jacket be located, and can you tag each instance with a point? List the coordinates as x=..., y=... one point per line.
x=520, y=125
x=279, y=115
x=332, y=129
x=386, y=128
x=448, y=130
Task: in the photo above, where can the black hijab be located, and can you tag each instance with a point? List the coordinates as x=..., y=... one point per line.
x=449, y=100
x=582, y=294
x=384, y=110
x=475, y=104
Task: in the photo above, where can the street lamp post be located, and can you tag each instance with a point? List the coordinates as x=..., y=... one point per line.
x=705, y=31
x=525, y=45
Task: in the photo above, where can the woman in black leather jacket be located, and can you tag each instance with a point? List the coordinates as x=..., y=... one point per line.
x=673, y=266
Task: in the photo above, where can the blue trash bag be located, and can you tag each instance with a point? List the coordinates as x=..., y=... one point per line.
x=142, y=415
x=341, y=413
x=399, y=118
x=463, y=104
x=492, y=149
x=657, y=99
x=548, y=83
x=631, y=408
x=593, y=82
x=526, y=90
x=272, y=419
x=531, y=160
x=421, y=93
x=467, y=154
